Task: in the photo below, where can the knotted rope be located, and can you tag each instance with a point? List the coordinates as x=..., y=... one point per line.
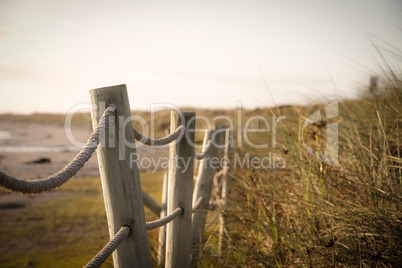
x=55, y=180
x=159, y=142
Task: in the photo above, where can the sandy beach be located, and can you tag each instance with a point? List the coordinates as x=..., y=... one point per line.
x=22, y=143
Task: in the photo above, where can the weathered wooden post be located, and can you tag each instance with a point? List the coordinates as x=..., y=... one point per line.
x=162, y=230
x=120, y=179
x=226, y=177
x=180, y=193
x=203, y=187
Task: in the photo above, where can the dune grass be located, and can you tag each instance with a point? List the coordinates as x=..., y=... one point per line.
x=311, y=214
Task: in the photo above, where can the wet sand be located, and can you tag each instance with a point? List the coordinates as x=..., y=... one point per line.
x=33, y=139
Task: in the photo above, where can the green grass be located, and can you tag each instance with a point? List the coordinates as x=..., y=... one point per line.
x=65, y=231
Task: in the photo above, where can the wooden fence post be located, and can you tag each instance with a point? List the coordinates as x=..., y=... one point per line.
x=162, y=230
x=120, y=179
x=225, y=189
x=180, y=193
x=203, y=187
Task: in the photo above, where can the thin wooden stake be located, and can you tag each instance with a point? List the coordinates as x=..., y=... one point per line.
x=180, y=193
x=226, y=177
x=203, y=188
x=162, y=230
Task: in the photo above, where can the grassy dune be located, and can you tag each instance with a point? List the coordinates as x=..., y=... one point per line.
x=311, y=214
x=303, y=214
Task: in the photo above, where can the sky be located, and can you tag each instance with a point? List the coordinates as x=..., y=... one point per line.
x=204, y=54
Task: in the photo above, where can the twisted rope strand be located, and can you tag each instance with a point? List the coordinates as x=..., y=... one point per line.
x=125, y=231
x=55, y=180
x=165, y=220
x=205, y=152
x=175, y=213
x=111, y=246
x=159, y=142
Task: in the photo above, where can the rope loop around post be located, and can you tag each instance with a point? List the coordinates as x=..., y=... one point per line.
x=159, y=142
x=165, y=220
x=205, y=152
x=197, y=203
x=59, y=178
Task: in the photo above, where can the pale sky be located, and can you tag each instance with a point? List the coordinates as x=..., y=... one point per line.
x=206, y=54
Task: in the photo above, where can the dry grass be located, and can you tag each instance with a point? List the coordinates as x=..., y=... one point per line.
x=311, y=214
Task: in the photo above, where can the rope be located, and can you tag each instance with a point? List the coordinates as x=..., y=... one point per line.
x=44, y=185
x=205, y=152
x=124, y=231
x=111, y=246
x=198, y=203
x=165, y=220
x=159, y=142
